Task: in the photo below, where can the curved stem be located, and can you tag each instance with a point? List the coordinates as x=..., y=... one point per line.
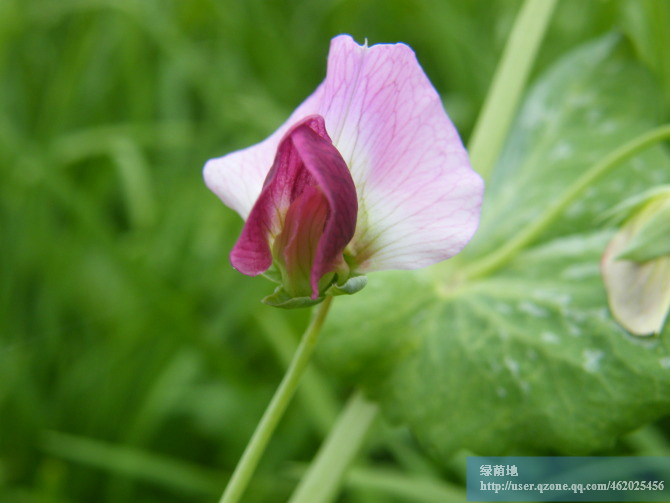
x=316, y=396
x=275, y=410
x=508, y=83
x=504, y=254
x=325, y=474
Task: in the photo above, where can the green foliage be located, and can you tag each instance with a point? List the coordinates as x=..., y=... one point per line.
x=525, y=358
x=652, y=240
x=580, y=110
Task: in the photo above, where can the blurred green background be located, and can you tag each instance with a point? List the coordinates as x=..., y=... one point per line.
x=134, y=362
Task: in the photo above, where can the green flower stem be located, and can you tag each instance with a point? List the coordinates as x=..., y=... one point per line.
x=325, y=474
x=275, y=410
x=314, y=392
x=504, y=254
x=508, y=83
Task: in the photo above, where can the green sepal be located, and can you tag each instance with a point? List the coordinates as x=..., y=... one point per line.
x=350, y=286
x=273, y=274
x=280, y=298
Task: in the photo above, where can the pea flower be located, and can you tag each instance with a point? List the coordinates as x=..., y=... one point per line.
x=367, y=174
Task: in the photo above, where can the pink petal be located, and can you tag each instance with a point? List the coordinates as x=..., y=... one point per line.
x=307, y=164
x=299, y=241
x=418, y=198
x=237, y=178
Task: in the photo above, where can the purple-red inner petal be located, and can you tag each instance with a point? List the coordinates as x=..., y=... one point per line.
x=306, y=160
x=297, y=244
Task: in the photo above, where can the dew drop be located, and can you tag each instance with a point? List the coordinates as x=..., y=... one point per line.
x=533, y=309
x=550, y=338
x=592, y=359
x=512, y=365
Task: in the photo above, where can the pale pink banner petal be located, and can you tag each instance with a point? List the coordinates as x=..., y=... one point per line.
x=237, y=178
x=418, y=197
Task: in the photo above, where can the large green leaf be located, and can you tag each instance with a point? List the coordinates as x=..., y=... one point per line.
x=527, y=358
x=589, y=103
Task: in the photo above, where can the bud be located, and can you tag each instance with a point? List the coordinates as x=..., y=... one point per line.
x=303, y=219
x=636, y=264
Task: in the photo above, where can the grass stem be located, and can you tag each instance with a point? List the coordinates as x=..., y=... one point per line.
x=324, y=476
x=508, y=84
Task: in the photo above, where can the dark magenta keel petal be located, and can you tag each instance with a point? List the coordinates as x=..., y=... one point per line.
x=310, y=184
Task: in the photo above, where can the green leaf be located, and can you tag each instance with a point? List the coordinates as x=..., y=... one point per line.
x=526, y=359
x=586, y=105
x=652, y=239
